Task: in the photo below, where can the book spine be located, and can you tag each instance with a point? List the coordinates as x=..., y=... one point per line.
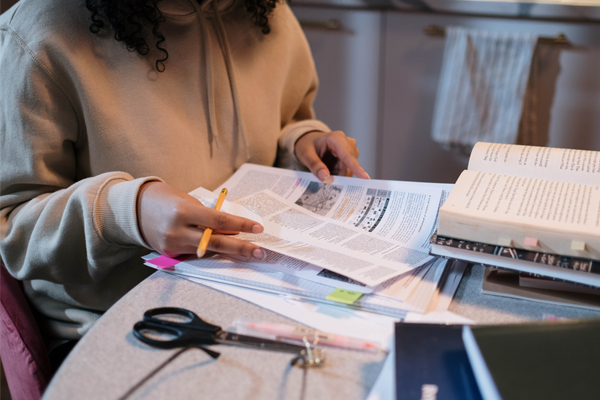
x=546, y=276
x=567, y=262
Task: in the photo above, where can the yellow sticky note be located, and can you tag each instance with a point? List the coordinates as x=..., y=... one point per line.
x=344, y=296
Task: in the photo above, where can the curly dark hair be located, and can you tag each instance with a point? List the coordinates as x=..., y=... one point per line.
x=131, y=19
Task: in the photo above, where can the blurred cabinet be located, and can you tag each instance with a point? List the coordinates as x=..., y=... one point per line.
x=568, y=94
x=379, y=74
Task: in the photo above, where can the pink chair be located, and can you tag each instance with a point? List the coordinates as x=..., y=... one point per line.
x=24, y=355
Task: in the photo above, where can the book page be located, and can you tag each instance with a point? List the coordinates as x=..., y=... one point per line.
x=568, y=207
x=403, y=212
x=562, y=165
x=303, y=270
x=298, y=233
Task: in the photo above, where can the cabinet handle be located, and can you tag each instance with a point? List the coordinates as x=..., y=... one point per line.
x=330, y=25
x=436, y=30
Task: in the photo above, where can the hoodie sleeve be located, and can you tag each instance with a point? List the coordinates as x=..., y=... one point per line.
x=54, y=225
x=286, y=157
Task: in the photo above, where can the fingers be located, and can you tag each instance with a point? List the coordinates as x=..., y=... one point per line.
x=344, y=148
x=187, y=243
x=309, y=157
x=225, y=224
x=169, y=221
x=318, y=150
x=230, y=245
x=221, y=221
x=226, y=232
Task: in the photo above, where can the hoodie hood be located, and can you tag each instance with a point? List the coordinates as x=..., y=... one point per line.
x=220, y=6
x=179, y=7
x=209, y=14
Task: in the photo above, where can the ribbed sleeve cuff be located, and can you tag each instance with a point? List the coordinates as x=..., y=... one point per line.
x=286, y=157
x=115, y=210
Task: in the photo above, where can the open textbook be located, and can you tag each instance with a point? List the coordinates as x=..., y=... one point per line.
x=320, y=238
x=298, y=233
x=404, y=212
x=369, y=231
x=526, y=197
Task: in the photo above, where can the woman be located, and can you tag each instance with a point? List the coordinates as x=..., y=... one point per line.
x=100, y=145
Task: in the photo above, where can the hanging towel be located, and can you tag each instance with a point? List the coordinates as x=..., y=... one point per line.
x=486, y=90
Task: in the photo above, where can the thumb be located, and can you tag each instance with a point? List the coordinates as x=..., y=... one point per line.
x=309, y=157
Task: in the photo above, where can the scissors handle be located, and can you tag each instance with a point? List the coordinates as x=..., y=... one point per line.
x=171, y=336
x=157, y=331
x=193, y=322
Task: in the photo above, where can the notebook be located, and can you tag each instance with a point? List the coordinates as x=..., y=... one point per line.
x=537, y=360
x=431, y=363
x=507, y=284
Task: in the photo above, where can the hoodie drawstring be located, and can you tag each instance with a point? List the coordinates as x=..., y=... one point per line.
x=225, y=50
x=212, y=116
x=222, y=36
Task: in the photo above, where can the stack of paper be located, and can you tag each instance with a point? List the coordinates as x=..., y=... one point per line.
x=358, y=243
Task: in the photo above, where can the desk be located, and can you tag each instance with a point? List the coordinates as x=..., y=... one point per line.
x=109, y=360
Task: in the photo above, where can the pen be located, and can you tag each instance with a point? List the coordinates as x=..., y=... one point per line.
x=282, y=331
x=208, y=231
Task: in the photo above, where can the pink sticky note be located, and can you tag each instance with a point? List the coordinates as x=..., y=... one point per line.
x=531, y=242
x=167, y=262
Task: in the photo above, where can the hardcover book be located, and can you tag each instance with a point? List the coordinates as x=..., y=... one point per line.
x=563, y=268
x=431, y=363
x=537, y=360
x=507, y=284
x=533, y=198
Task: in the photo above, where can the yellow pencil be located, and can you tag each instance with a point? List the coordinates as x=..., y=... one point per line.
x=208, y=231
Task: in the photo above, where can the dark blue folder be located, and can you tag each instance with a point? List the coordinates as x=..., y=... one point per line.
x=431, y=362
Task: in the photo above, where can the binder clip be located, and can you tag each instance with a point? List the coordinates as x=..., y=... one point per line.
x=312, y=356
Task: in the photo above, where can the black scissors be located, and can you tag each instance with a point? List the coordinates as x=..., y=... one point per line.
x=158, y=329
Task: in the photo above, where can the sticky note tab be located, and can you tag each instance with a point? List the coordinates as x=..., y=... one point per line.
x=506, y=242
x=344, y=296
x=577, y=245
x=531, y=242
x=167, y=262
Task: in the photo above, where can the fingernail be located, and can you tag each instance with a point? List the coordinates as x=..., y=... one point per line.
x=368, y=176
x=322, y=175
x=258, y=253
x=257, y=229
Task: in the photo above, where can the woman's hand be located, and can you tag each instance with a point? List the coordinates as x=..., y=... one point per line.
x=329, y=153
x=172, y=223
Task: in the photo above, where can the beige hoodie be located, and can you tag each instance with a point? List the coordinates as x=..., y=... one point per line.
x=84, y=123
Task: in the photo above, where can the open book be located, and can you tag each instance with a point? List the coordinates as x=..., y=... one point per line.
x=320, y=239
x=525, y=197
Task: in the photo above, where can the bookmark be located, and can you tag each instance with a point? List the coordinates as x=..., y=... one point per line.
x=505, y=242
x=167, y=262
x=531, y=242
x=577, y=245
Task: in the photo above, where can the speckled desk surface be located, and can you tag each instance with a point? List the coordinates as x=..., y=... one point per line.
x=109, y=360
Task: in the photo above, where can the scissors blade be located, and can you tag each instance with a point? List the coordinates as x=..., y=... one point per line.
x=225, y=337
